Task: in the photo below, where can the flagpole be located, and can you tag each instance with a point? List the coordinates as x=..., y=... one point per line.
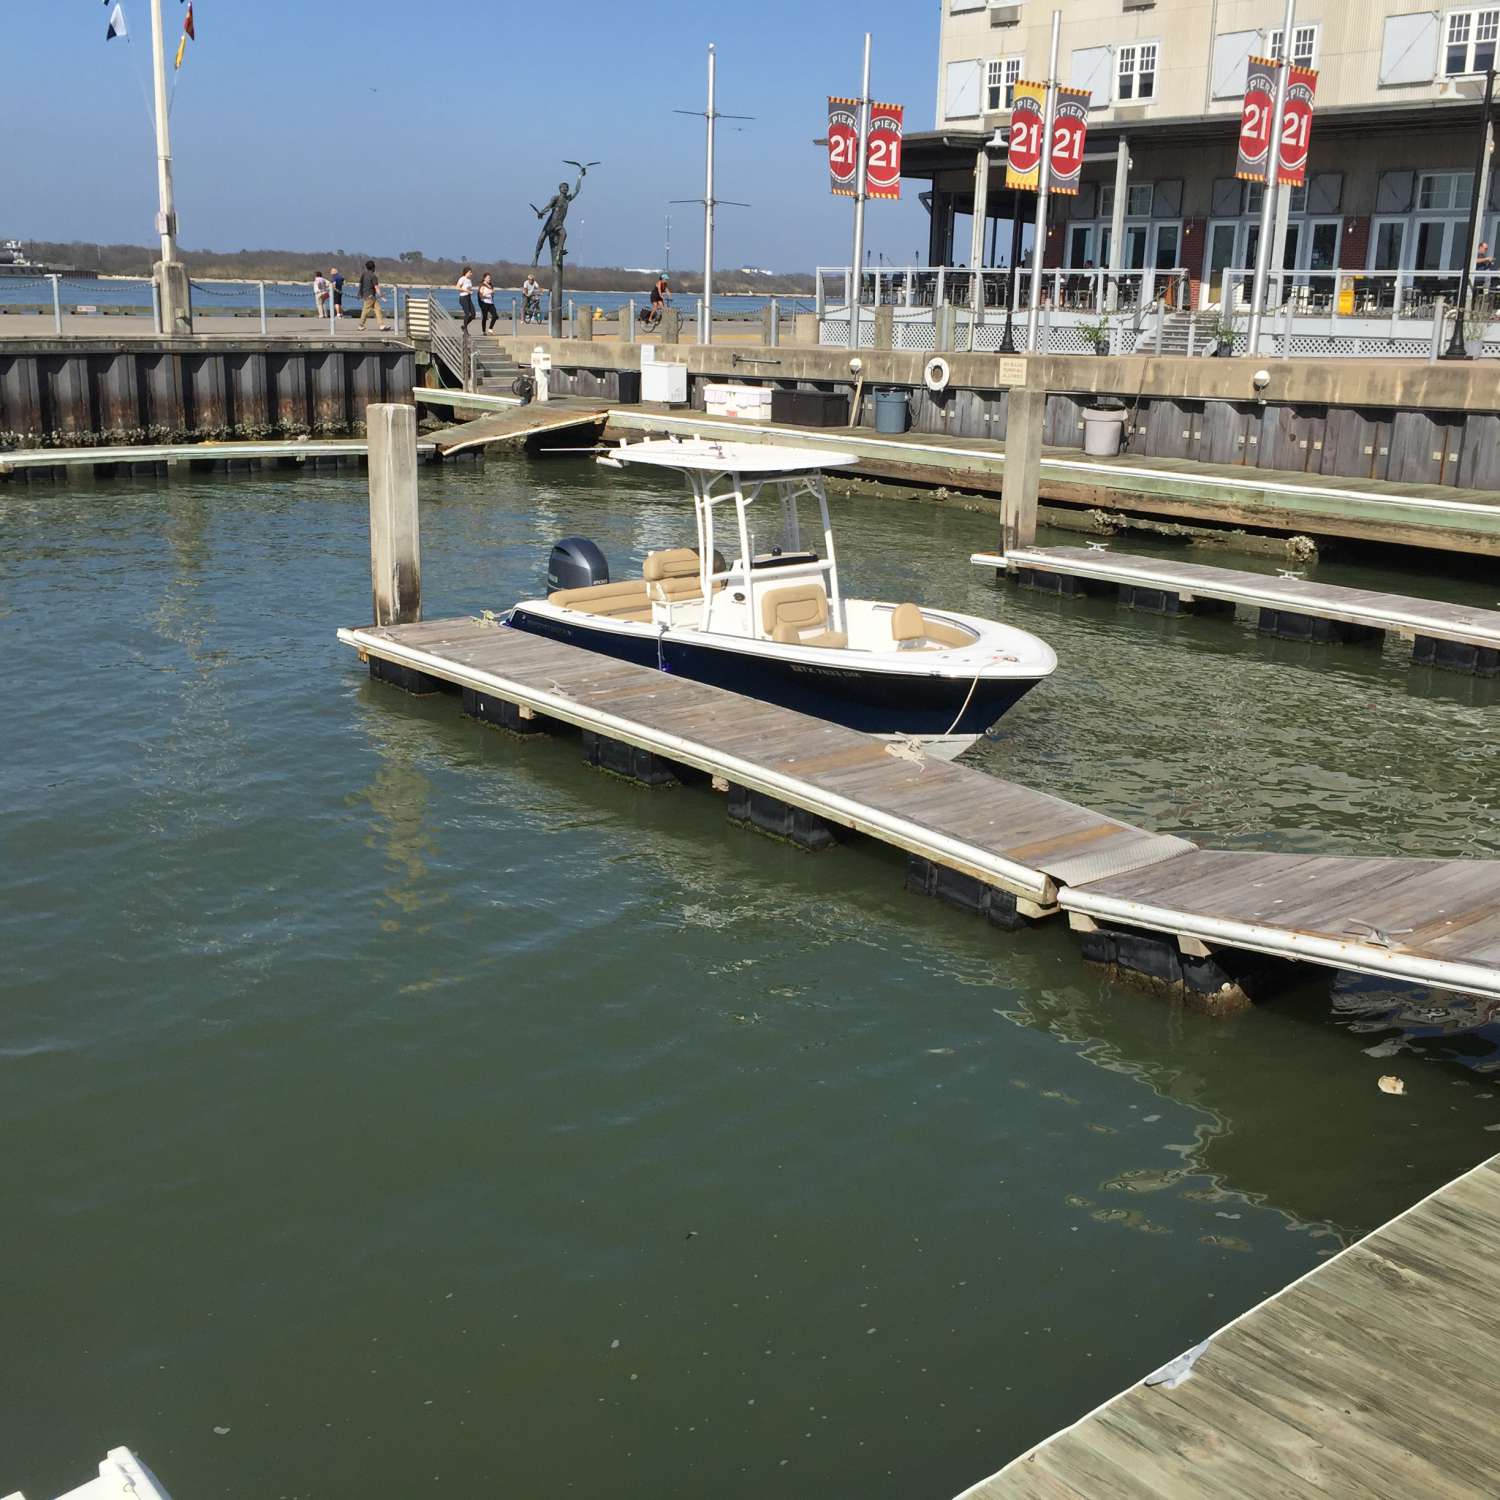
x=1264, y=244
x=708, y=212
x=176, y=311
x=860, y=183
x=1044, y=171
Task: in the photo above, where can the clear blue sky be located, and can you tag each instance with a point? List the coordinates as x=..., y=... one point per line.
x=430, y=125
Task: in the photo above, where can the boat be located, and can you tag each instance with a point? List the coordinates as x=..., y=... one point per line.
x=773, y=622
x=122, y=1476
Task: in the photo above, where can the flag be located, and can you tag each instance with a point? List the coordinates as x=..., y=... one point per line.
x=187, y=31
x=116, y=23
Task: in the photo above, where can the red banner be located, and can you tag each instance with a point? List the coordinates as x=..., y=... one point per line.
x=1256, y=119
x=1070, y=128
x=1023, y=153
x=1296, y=127
x=883, y=159
x=883, y=150
x=843, y=144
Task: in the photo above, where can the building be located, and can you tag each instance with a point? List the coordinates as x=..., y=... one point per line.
x=1393, y=149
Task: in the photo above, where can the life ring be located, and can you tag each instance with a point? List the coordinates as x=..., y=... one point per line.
x=937, y=374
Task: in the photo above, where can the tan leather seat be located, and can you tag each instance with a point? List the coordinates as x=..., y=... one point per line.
x=624, y=600
x=914, y=631
x=672, y=574
x=798, y=616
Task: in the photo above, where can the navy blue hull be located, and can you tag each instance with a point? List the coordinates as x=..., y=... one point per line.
x=873, y=702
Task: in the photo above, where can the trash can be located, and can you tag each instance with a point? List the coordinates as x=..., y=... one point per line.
x=1103, y=429
x=892, y=413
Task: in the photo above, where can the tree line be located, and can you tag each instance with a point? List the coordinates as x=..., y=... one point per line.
x=411, y=267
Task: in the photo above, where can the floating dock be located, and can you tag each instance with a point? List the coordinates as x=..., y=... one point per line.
x=168, y=458
x=1377, y=1374
x=1149, y=904
x=1453, y=635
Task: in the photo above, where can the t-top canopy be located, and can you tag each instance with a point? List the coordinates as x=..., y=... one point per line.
x=741, y=458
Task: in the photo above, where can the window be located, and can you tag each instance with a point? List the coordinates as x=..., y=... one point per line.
x=1470, y=40
x=1255, y=196
x=1445, y=190
x=1137, y=200
x=1002, y=74
x=1135, y=71
x=1304, y=45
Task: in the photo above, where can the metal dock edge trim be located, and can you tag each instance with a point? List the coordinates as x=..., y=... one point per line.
x=1022, y=880
x=1356, y=954
x=981, y=1488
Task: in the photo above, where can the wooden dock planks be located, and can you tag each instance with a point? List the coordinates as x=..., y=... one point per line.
x=1377, y=1375
x=1433, y=922
x=1432, y=618
x=1373, y=915
x=522, y=424
x=964, y=817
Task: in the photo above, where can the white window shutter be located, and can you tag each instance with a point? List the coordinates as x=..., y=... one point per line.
x=1410, y=50
x=1231, y=62
x=1093, y=69
x=956, y=6
x=961, y=98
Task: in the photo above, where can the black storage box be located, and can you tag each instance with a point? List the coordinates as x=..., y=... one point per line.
x=630, y=387
x=810, y=408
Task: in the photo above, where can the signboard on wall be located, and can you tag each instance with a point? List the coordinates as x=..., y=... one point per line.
x=883, y=160
x=1255, y=120
x=1070, y=128
x=843, y=144
x=1296, y=127
x=1023, y=157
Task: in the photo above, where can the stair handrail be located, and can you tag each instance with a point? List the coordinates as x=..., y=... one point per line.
x=446, y=334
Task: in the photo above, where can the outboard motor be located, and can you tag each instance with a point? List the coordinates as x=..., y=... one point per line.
x=576, y=563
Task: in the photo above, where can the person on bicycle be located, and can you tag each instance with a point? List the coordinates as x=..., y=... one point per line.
x=531, y=298
x=661, y=294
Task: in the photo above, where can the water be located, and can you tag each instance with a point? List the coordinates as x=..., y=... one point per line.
x=296, y=296
x=439, y=1117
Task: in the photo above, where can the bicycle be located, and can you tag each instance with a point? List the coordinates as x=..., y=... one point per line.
x=650, y=318
x=531, y=310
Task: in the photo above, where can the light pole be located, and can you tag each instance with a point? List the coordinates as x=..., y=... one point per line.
x=1044, y=170
x=1456, y=349
x=169, y=274
x=857, y=278
x=1264, y=245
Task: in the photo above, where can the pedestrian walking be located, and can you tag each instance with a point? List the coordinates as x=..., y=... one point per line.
x=488, y=317
x=336, y=290
x=320, y=293
x=466, y=295
x=369, y=295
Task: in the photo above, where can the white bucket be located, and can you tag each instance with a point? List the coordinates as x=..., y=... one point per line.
x=1102, y=431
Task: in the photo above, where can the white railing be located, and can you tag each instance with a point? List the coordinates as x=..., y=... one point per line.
x=1357, y=294
x=449, y=341
x=915, y=288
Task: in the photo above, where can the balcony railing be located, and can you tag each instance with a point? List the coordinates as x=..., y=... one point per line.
x=993, y=289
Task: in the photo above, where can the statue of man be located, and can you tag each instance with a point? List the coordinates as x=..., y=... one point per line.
x=555, y=214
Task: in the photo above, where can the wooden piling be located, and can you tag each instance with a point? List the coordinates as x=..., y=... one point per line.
x=1026, y=411
x=395, y=534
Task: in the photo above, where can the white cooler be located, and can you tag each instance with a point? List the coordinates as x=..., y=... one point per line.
x=664, y=383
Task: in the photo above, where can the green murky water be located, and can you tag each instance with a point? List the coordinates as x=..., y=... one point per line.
x=390, y=1107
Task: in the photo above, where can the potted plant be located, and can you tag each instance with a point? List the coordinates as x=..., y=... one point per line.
x=1096, y=334
x=1224, y=331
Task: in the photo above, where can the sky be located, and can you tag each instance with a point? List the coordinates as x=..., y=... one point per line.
x=429, y=125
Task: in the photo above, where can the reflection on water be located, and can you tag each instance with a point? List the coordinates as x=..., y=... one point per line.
x=437, y=1075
